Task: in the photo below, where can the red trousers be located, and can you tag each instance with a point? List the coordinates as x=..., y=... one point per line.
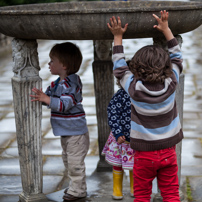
x=161, y=164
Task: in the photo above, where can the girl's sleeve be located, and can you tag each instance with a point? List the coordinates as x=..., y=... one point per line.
x=120, y=69
x=175, y=56
x=114, y=117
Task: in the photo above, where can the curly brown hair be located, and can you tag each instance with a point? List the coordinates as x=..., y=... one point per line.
x=151, y=64
x=69, y=55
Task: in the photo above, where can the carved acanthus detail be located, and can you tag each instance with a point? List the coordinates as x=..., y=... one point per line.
x=103, y=50
x=25, y=58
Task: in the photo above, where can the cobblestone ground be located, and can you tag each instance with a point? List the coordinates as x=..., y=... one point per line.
x=54, y=178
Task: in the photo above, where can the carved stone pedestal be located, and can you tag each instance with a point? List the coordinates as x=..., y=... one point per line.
x=104, y=90
x=28, y=119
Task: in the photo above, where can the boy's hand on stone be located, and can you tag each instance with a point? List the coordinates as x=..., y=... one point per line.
x=40, y=96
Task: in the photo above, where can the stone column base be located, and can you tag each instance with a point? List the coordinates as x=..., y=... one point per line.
x=103, y=166
x=33, y=197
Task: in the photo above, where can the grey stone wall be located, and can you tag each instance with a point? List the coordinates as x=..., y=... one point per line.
x=4, y=40
x=5, y=44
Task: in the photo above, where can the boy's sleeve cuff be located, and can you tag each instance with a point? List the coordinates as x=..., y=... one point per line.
x=53, y=103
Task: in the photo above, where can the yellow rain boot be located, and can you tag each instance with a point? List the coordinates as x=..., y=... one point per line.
x=131, y=183
x=117, y=184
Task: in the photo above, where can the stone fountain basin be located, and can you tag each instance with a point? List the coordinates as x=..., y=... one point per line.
x=88, y=20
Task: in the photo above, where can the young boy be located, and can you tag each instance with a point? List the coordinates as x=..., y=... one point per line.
x=64, y=98
x=151, y=81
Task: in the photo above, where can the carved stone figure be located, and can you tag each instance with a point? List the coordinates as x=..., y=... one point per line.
x=25, y=58
x=102, y=50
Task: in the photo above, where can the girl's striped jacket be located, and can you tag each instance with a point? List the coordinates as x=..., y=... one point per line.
x=155, y=121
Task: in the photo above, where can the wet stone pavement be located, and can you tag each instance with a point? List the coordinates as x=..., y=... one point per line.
x=99, y=183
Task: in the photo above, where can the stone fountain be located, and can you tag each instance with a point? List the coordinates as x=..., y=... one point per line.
x=78, y=21
x=87, y=20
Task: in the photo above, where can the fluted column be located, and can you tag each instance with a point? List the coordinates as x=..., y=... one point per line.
x=104, y=90
x=179, y=101
x=28, y=118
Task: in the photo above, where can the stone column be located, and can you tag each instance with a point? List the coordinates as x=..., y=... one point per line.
x=104, y=90
x=179, y=100
x=28, y=118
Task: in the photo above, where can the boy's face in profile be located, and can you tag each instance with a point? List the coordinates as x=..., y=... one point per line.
x=56, y=67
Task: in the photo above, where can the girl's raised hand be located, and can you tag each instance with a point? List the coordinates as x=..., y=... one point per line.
x=116, y=27
x=162, y=22
x=117, y=30
x=163, y=25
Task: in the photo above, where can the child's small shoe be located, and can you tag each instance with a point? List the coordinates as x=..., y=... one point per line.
x=65, y=191
x=69, y=197
x=117, y=197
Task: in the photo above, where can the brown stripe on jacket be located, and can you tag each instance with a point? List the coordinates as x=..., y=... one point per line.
x=142, y=145
x=141, y=96
x=119, y=72
x=153, y=122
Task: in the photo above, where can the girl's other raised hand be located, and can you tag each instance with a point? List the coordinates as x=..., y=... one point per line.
x=116, y=27
x=163, y=25
x=162, y=22
x=117, y=30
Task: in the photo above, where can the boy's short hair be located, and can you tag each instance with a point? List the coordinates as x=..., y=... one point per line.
x=151, y=64
x=69, y=55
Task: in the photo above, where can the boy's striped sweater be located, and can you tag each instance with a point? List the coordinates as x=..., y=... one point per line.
x=155, y=121
x=67, y=113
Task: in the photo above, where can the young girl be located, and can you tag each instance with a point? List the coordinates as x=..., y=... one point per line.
x=117, y=149
x=151, y=80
